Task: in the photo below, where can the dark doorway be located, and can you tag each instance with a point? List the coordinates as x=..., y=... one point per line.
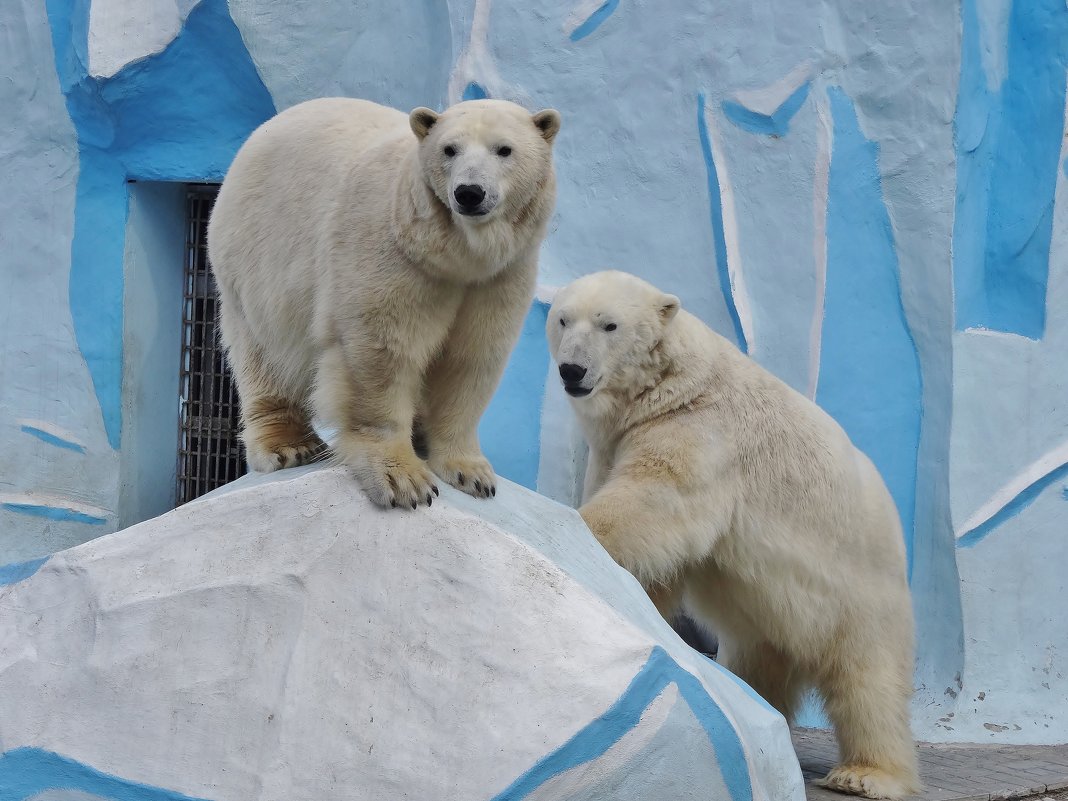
x=209, y=452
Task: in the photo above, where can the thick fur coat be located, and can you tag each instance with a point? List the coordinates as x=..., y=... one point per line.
x=374, y=269
x=729, y=494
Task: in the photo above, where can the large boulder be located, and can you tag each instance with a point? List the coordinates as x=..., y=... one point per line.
x=284, y=639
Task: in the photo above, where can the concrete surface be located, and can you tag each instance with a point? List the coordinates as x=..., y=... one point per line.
x=953, y=772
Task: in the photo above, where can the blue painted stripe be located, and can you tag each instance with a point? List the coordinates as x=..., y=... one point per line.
x=95, y=283
x=53, y=513
x=52, y=439
x=474, y=91
x=1008, y=143
x=510, y=429
x=596, y=738
x=20, y=571
x=26, y=772
x=715, y=202
x=157, y=119
x=594, y=20
x=1014, y=507
x=869, y=378
x=775, y=124
x=725, y=740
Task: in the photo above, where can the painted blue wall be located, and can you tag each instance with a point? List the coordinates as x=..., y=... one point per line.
x=875, y=214
x=1009, y=129
x=869, y=376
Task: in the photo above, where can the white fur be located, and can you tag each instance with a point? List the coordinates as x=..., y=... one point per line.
x=355, y=291
x=729, y=494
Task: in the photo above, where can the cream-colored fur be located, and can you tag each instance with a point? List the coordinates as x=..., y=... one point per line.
x=355, y=290
x=729, y=494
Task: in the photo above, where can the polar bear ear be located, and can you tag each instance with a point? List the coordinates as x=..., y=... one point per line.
x=667, y=307
x=548, y=123
x=422, y=120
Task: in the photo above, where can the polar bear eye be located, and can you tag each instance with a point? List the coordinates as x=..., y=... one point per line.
x=563, y=323
x=449, y=151
x=610, y=327
x=504, y=151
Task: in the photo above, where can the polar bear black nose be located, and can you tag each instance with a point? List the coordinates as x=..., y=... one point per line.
x=572, y=373
x=469, y=196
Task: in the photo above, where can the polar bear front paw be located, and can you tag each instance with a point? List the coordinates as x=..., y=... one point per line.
x=471, y=473
x=389, y=472
x=867, y=781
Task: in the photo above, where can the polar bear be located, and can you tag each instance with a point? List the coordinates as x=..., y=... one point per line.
x=374, y=270
x=730, y=495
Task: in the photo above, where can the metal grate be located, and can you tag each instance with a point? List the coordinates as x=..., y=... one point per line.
x=209, y=452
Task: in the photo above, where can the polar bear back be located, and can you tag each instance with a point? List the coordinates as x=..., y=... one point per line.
x=286, y=193
x=794, y=454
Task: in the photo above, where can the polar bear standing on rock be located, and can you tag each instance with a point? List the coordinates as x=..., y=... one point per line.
x=729, y=494
x=375, y=269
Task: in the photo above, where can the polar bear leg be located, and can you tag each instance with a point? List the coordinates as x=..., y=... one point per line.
x=642, y=525
x=766, y=669
x=667, y=598
x=462, y=379
x=867, y=700
x=277, y=434
x=371, y=398
x=276, y=429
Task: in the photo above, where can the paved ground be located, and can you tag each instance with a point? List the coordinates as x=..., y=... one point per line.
x=955, y=772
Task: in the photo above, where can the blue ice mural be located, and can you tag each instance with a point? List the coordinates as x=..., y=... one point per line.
x=877, y=216
x=777, y=123
x=869, y=376
x=1009, y=129
x=157, y=119
x=29, y=773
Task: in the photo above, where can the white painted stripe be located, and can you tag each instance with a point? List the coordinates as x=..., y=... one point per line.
x=53, y=429
x=820, y=193
x=767, y=99
x=730, y=233
x=1005, y=494
x=121, y=32
x=475, y=63
x=979, y=331
x=53, y=502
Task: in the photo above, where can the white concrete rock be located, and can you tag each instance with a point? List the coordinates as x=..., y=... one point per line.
x=283, y=639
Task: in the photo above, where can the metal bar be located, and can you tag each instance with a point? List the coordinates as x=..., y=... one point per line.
x=209, y=452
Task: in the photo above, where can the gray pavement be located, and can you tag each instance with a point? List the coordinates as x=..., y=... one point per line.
x=955, y=772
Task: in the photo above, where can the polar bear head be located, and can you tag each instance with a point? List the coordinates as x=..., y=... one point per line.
x=603, y=328
x=485, y=158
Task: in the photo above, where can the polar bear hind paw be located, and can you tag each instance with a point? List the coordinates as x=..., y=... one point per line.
x=279, y=455
x=868, y=782
x=472, y=474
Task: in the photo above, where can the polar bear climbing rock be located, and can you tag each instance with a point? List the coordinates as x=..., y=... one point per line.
x=730, y=495
x=374, y=270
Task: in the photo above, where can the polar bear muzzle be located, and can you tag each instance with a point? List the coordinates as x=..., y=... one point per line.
x=469, y=199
